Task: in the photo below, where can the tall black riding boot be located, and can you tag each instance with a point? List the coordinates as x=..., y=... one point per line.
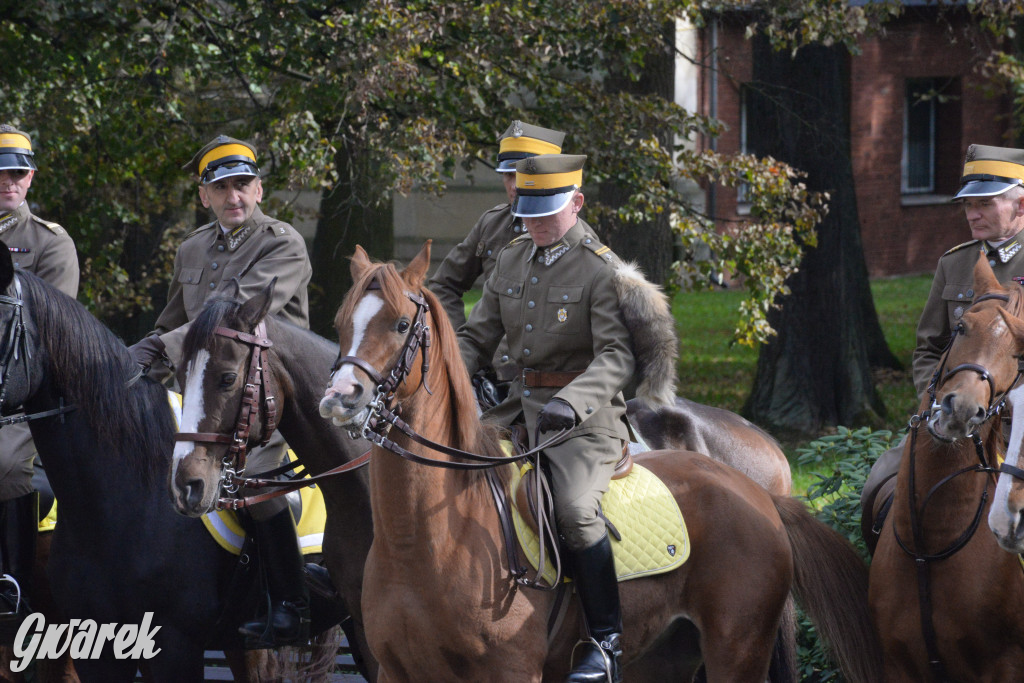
x=287, y=622
x=598, y=588
x=19, y=527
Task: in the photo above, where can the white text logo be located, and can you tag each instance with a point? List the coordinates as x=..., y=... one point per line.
x=82, y=639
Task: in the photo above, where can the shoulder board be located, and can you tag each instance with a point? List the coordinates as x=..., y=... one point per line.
x=277, y=228
x=605, y=252
x=55, y=228
x=202, y=228
x=960, y=246
x=520, y=239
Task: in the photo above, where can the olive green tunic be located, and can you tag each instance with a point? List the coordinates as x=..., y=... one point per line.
x=561, y=317
x=951, y=293
x=45, y=249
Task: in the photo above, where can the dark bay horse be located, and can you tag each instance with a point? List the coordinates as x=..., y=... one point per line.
x=438, y=597
x=119, y=550
x=213, y=374
x=948, y=602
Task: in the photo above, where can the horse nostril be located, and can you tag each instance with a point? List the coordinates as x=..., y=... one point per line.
x=947, y=404
x=350, y=399
x=194, y=493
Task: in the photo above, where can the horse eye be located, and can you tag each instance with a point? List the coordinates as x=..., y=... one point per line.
x=227, y=380
x=403, y=325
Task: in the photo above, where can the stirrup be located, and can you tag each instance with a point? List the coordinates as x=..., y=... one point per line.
x=609, y=669
x=4, y=603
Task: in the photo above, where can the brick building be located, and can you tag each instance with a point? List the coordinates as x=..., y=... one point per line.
x=917, y=102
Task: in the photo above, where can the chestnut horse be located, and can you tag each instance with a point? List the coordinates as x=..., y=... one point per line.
x=438, y=597
x=948, y=602
x=214, y=373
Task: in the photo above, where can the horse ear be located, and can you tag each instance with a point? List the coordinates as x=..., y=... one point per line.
x=1015, y=324
x=984, y=279
x=416, y=272
x=233, y=288
x=256, y=308
x=6, y=266
x=360, y=262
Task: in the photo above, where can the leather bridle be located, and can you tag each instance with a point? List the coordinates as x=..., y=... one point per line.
x=259, y=382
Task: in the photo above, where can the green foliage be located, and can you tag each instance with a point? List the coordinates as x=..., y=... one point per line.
x=843, y=461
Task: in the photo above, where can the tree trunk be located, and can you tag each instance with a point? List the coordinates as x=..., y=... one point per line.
x=817, y=371
x=351, y=213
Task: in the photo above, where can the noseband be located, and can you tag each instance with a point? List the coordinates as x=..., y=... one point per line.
x=259, y=380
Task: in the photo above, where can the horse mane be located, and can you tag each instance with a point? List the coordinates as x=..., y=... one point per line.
x=92, y=368
x=216, y=313
x=468, y=433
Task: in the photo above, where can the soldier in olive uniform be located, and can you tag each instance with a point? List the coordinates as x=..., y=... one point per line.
x=478, y=252
x=45, y=249
x=992, y=195
x=244, y=244
x=552, y=294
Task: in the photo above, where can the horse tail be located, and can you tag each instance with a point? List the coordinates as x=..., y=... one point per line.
x=783, y=667
x=831, y=584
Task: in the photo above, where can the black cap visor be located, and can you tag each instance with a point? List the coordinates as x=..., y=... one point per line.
x=986, y=186
x=14, y=160
x=227, y=167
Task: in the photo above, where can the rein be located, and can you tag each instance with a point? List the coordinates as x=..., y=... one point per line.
x=382, y=415
x=920, y=557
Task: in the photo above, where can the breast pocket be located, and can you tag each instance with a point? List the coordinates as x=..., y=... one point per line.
x=564, y=312
x=192, y=293
x=26, y=260
x=488, y=249
x=958, y=298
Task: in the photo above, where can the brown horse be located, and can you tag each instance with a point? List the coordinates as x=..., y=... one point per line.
x=948, y=602
x=438, y=597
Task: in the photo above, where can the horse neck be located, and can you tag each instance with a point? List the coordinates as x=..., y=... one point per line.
x=952, y=507
x=418, y=507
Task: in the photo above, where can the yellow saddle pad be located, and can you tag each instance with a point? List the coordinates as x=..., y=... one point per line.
x=223, y=525
x=646, y=515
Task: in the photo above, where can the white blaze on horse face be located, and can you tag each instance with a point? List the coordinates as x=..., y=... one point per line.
x=193, y=409
x=343, y=381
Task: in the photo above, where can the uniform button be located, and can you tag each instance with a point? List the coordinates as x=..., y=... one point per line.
x=214, y=265
x=992, y=262
x=220, y=247
x=589, y=410
x=958, y=311
x=587, y=241
x=960, y=295
x=504, y=359
x=526, y=352
x=530, y=304
x=190, y=279
x=488, y=252
x=970, y=293
x=526, y=392
x=508, y=291
x=533, y=280
x=213, y=285
x=565, y=297
x=529, y=327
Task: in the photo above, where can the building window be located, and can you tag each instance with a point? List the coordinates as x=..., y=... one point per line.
x=919, y=137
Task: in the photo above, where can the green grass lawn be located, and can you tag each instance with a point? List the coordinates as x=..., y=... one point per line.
x=715, y=372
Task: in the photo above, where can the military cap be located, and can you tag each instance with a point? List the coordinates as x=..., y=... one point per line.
x=223, y=157
x=545, y=184
x=523, y=140
x=15, y=149
x=989, y=171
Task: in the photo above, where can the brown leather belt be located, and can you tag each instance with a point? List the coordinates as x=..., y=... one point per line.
x=536, y=378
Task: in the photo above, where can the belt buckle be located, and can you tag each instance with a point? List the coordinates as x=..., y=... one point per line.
x=526, y=370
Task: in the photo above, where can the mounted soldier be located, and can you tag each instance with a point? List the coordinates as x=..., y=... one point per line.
x=556, y=293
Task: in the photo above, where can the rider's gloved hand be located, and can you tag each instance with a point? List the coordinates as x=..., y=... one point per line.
x=556, y=415
x=147, y=350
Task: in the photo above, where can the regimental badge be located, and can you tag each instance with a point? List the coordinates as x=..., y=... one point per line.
x=7, y=221
x=1006, y=252
x=563, y=315
x=517, y=129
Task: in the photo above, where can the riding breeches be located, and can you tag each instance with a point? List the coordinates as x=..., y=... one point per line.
x=264, y=459
x=580, y=469
x=17, y=452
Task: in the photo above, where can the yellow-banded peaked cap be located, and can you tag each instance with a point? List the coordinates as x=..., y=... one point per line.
x=546, y=183
x=223, y=157
x=15, y=149
x=523, y=140
x=990, y=171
